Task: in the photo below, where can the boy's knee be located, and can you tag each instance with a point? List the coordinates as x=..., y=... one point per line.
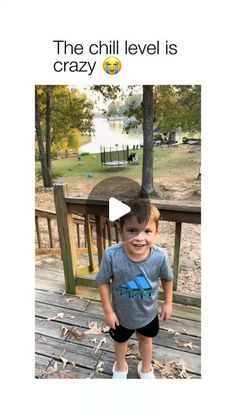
x=142, y=338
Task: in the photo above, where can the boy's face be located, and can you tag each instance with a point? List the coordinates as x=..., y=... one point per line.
x=138, y=237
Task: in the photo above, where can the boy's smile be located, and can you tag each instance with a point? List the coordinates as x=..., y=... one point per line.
x=138, y=237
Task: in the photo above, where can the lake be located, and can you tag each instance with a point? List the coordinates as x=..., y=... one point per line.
x=109, y=133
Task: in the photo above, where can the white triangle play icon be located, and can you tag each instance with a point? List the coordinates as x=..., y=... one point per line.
x=117, y=209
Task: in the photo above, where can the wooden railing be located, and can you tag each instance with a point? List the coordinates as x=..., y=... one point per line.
x=53, y=241
x=93, y=214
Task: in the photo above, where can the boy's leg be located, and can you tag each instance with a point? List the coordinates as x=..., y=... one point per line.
x=120, y=350
x=145, y=349
x=145, y=335
x=120, y=336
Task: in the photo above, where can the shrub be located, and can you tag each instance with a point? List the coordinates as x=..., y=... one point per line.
x=56, y=173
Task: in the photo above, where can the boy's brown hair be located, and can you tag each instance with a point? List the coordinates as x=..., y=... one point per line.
x=143, y=210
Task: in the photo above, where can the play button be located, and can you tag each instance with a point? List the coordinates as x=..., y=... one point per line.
x=117, y=209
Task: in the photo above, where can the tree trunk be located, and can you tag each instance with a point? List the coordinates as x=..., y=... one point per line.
x=147, y=174
x=48, y=126
x=47, y=181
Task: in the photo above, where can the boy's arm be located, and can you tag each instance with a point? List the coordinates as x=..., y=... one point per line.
x=110, y=316
x=166, y=310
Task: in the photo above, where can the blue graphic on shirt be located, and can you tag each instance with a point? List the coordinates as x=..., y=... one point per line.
x=137, y=288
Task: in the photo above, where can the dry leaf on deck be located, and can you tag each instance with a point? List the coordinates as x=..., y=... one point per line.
x=168, y=370
x=70, y=300
x=94, y=329
x=100, y=367
x=64, y=360
x=157, y=365
x=76, y=334
x=59, y=315
x=132, y=352
x=64, y=331
x=171, y=330
x=102, y=341
x=106, y=328
x=183, y=344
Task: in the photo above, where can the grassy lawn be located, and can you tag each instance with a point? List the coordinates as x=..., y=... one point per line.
x=175, y=161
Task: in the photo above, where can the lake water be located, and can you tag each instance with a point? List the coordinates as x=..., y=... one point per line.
x=109, y=133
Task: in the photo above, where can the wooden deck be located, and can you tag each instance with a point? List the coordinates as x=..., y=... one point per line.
x=65, y=349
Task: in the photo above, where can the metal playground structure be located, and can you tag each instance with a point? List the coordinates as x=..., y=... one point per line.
x=114, y=157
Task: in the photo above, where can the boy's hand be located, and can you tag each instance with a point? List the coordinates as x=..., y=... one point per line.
x=166, y=311
x=111, y=319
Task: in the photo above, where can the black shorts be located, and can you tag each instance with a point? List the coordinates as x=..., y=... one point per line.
x=121, y=334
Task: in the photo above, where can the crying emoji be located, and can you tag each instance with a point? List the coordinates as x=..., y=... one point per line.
x=112, y=65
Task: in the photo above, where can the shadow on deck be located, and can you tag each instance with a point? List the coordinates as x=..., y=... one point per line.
x=72, y=341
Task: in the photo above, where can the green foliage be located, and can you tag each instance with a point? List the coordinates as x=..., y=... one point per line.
x=57, y=172
x=38, y=173
x=108, y=92
x=177, y=106
x=84, y=153
x=70, y=109
x=115, y=109
x=72, y=140
x=133, y=111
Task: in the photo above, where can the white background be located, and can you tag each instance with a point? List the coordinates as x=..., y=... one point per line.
x=203, y=31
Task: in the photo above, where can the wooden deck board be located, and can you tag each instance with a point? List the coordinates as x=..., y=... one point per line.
x=51, y=345
x=59, y=300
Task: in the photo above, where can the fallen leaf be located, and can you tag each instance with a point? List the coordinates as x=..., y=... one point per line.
x=183, y=344
x=132, y=352
x=130, y=348
x=189, y=345
x=59, y=315
x=106, y=328
x=75, y=334
x=70, y=300
x=100, y=367
x=171, y=330
x=186, y=332
x=168, y=370
x=172, y=369
x=64, y=360
x=94, y=340
x=102, y=341
x=94, y=329
x=64, y=331
x=157, y=365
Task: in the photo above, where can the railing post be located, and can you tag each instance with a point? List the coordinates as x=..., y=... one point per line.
x=50, y=232
x=99, y=235
x=90, y=243
x=66, y=236
x=178, y=227
x=38, y=231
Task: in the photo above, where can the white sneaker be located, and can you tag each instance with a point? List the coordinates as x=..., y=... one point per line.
x=117, y=374
x=147, y=375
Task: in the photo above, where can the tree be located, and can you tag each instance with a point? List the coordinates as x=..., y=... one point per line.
x=143, y=111
x=47, y=179
x=147, y=174
x=167, y=108
x=58, y=111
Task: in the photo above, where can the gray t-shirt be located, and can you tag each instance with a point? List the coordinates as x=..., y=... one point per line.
x=134, y=283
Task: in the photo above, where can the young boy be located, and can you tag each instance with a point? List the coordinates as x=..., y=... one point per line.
x=132, y=269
